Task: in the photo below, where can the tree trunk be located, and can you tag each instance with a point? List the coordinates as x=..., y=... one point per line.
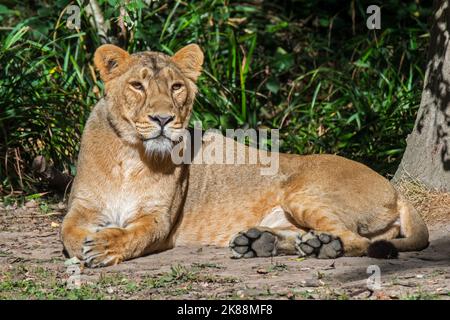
x=427, y=155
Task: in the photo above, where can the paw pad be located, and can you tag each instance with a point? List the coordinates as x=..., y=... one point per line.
x=253, y=243
x=322, y=246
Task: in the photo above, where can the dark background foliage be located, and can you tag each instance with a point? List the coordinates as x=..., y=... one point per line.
x=310, y=68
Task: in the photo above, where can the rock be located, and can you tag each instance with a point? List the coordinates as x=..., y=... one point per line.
x=31, y=204
x=312, y=283
x=72, y=261
x=10, y=207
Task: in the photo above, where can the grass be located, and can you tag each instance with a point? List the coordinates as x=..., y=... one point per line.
x=314, y=72
x=25, y=281
x=277, y=267
x=421, y=295
x=36, y=282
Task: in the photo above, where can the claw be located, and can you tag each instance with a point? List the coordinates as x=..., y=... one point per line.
x=88, y=240
x=86, y=249
x=89, y=259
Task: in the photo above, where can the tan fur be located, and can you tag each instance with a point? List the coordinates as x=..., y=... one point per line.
x=128, y=199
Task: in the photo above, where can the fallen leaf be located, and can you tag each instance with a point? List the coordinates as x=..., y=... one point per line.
x=298, y=259
x=380, y=295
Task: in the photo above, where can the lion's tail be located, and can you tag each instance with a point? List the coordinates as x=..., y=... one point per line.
x=413, y=230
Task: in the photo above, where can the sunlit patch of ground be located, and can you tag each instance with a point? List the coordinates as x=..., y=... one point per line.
x=32, y=266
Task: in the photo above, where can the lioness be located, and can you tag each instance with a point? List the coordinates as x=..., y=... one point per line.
x=130, y=199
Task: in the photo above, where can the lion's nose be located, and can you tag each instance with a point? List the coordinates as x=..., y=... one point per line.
x=162, y=120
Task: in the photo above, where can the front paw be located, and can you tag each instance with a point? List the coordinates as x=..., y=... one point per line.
x=104, y=248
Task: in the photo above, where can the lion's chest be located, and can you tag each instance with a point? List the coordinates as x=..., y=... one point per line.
x=131, y=192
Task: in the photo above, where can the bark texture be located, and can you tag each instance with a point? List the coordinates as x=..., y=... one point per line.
x=427, y=155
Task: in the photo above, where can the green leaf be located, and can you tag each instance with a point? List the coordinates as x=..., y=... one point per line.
x=324, y=22
x=4, y=9
x=226, y=121
x=277, y=27
x=283, y=60
x=361, y=64
x=273, y=85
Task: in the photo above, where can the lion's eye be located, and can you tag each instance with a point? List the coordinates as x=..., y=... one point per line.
x=137, y=85
x=176, y=86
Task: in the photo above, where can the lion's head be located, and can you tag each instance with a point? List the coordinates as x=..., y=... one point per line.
x=150, y=94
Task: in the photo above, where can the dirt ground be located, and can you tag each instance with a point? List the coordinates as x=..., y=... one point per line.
x=32, y=266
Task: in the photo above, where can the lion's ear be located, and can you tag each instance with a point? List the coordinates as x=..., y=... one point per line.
x=110, y=61
x=189, y=59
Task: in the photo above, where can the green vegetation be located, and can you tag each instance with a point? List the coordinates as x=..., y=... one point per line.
x=309, y=68
x=38, y=283
x=422, y=296
x=25, y=282
x=277, y=267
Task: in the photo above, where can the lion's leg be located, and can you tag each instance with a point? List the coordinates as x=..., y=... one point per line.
x=112, y=245
x=329, y=236
x=265, y=242
x=75, y=228
x=392, y=233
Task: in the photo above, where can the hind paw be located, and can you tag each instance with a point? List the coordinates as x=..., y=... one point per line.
x=320, y=245
x=253, y=243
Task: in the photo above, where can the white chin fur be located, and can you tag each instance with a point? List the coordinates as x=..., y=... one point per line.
x=159, y=148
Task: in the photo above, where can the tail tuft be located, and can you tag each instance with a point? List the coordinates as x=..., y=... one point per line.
x=382, y=249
